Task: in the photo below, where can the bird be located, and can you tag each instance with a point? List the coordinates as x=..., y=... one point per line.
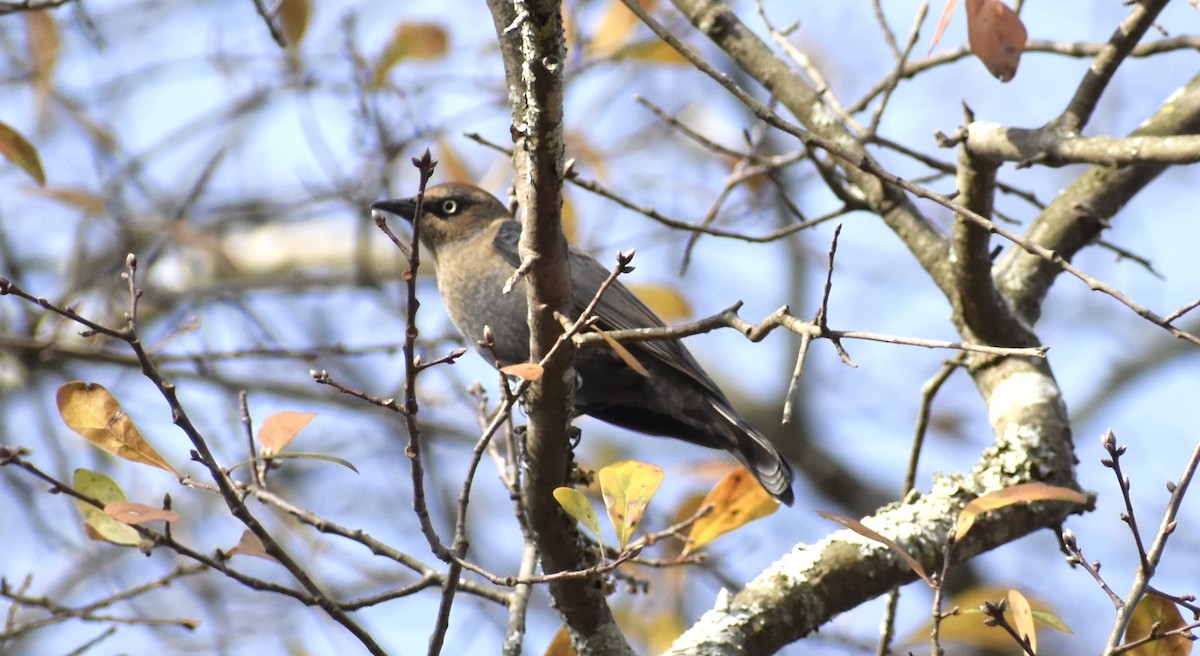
x=472, y=239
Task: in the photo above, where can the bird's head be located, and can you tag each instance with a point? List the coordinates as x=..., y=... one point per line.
x=450, y=212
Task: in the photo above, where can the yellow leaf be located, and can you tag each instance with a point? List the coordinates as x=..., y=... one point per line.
x=577, y=505
x=280, y=428
x=1151, y=610
x=1022, y=618
x=967, y=626
x=666, y=301
x=737, y=500
x=530, y=371
x=17, y=150
x=293, y=20
x=105, y=490
x=1023, y=493
x=138, y=513
x=623, y=353
x=627, y=488
x=88, y=409
x=615, y=28
x=410, y=40
x=866, y=532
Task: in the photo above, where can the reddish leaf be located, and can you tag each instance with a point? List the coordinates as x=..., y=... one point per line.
x=943, y=20
x=997, y=36
x=138, y=513
x=623, y=353
x=530, y=371
x=861, y=529
x=250, y=545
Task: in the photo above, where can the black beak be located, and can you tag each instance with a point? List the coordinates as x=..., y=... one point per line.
x=405, y=208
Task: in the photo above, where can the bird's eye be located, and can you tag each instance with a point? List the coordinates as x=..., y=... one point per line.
x=449, y=206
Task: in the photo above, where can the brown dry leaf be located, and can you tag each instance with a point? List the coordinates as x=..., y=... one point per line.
x=89, y=409
x=250, y=545
x=861, y=529
x=294, y=16
x=1151, y=610
x=530, y=371
x=568, y=218
x=1022, y=616
x=100, y=526
x=280, y=428
x=561, y=645
x=450, y=165
x=997, y=36
x=75, y=197
x=138, y=513
x=737, y=500
x=623, y=353
x=410, y=40
x=577, y=505
x=17, y=150
x=44, y=46
x=665, y=300
x=628, y=488
x=1008, y=496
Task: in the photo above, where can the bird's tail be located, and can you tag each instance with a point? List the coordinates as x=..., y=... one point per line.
x=759, y=456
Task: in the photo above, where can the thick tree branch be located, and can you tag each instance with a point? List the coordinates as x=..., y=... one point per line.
x=531, y=35
x=1082, y=210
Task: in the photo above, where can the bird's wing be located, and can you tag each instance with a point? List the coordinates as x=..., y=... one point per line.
x=619, y=308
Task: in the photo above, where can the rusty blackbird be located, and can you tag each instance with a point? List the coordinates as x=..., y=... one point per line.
x=472, y=239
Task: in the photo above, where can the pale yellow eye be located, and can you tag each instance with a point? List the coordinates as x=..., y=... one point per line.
x=449, y=206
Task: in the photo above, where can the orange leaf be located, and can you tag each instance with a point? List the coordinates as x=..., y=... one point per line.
x=1023, y=618
x=1008, y=496
x=561, y=645
x=530, y=371
x=737, y=499
x=861, y=529
x=1151, y=610
x=666, y=301
x=627, y=488
x=17, y=150
x=280, y=428
x=410, y=40
x=88, y=409
x=138, y=513
x=997, y=36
